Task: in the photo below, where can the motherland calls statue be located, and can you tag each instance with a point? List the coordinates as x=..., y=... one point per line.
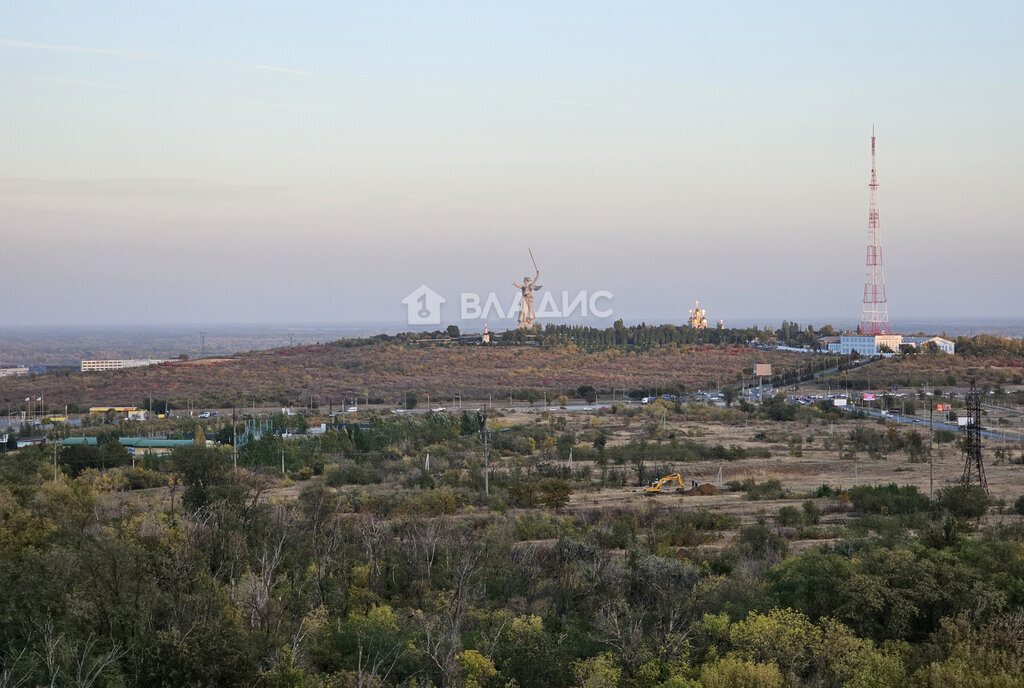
x=526, y=314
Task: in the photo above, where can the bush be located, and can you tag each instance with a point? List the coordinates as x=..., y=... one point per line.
x=351, y=473
x=769, y=489
x=535, y=526
x=964, y=501
x=812, y=513
x=888, y=499
x=1018, y=506
x=788, y=517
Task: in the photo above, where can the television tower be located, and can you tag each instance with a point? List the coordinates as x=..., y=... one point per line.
x=874, y=317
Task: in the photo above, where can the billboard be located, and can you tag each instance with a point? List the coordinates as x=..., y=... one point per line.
x=763, y=369
x=869, y=396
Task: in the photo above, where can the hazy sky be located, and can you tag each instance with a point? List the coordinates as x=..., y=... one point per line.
x=298, y=161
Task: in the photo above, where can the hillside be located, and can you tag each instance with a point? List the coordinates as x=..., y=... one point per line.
x=332, y=372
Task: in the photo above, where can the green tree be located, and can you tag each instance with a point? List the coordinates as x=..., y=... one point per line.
x=964, y=501
x=788, y=517
x=601, y=671
x=733, y=672
x=205, y=476
x=782, y=637
x=474, y=669
x=587, y=393
x=554, y=492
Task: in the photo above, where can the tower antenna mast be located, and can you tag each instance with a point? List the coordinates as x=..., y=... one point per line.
x=874, y=317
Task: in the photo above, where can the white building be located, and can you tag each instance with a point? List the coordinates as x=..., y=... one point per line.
x=112, y=364
x=945, y=345
x=865, y=345
x=871, y=345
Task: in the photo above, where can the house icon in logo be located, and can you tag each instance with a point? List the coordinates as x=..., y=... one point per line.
x=424, y=306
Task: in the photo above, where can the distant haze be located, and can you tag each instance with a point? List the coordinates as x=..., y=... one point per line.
x=180, y=163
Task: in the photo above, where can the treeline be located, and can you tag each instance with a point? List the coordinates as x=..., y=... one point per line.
x=645, y=336
x=619, y=335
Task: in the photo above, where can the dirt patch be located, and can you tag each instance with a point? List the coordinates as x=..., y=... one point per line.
x=701, y=490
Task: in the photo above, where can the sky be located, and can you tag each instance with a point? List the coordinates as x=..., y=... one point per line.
x=229, y=162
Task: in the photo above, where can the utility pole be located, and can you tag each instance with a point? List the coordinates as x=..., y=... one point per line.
x=483, y=431
x=931, y=456
x=202, y=337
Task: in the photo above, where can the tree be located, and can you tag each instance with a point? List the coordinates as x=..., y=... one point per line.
x=587, y=393
x=474, y=669
x=788, y=517
x=601, y=671
x=781, y=636
x=554, y=492
x=964, y=501
x=729, y=394
x=812, y=513
x=732, y=672
x=205, y=475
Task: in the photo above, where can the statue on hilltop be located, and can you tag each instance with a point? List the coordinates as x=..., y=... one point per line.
x=526, y=312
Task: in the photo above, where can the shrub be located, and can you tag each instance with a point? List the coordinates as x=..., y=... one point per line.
x=535, y=526
x=812, y=513
x=769, y=489
x=964, y=501
x=888, y=499
x=788, y=517
x=351, y=473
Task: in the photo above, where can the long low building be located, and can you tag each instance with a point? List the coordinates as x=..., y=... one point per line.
x=871, y=345
x=129, y=412
x=118, y=364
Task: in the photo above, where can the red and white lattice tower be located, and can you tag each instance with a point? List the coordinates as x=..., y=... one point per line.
x=874, y=318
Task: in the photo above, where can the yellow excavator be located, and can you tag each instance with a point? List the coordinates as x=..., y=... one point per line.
x=655, y=487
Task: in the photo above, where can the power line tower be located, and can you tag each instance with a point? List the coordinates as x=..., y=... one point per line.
x=874, y=317
x=974, y=468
